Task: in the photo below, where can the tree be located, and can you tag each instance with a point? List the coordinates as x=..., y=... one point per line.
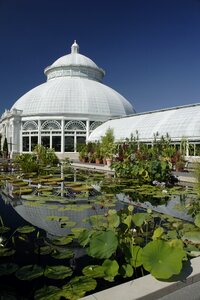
x=5, y=148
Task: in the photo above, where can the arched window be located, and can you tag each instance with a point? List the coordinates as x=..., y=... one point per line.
x=51, y=125
x=30, y=125
x=94, y=125
x=75, y=125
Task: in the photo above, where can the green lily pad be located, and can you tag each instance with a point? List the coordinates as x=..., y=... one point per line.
x=62, y=253
x=197, y=220
x=48, y=293
x=77, y=231
x=25, y=229
x=7, y=269
x=126, y=271
x=192, y=236
x=29, y=272
x=6, y=252
x=44, y=250
x=67, y=224
x=4, y=229
x=111, y=269
x=60, y=241
x=78, y=286
x=57, y=218
x=94, y=271
x=103, y=244
x=161, y=260
x=57, y=272
x=139, y=218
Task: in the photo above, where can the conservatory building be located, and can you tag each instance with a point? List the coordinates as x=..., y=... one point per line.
x=62, y=112
x=181, y=124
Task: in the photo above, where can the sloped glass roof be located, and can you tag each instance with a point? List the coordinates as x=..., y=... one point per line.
x=179, y=122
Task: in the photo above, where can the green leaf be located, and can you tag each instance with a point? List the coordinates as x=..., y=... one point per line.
x=29, y=272
x=128, y=221
x=62, y=253
x=157, y=233
x=139, y=218
x=77, y=287
x=126, y=271
x=25, y=229
x=64, y=240
x=111, y=269
x=94, y=271
x=103, y=244
x=48, y=293
x=84, y=237
x=44, y=250
x=4, y=229
x=57, y=272
x=161, y=260
x=7, y=269
x=135, y=256
x=6, y=252
x=197, y=220
x=192, y=236
x=77, y=231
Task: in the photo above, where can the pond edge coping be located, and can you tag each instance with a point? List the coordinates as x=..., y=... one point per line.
x=148, y=287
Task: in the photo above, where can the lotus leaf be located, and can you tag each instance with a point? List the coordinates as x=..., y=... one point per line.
x=139, y=218
x=157, y=233
x=103, y=244
x=44, y=250
x=48, y=293
x=57, y=272
x=134, y=256
x=113, y=219
x=78, y=286
x=94, y=271
x=7, y=269
x=29, y=272
x=192, y=236
x=111, y=269
x=161, y=260
x=4, y=229
x=57, y=218
x=60, y=241
x=128, y=221
x=67, y=224
x=77, y=231
x=126, y=271
x=62, y=253
x=197, y=220
x=84, y=237
x=26, y=229
x=6, y=252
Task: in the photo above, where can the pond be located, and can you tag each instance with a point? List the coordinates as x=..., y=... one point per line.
x=46, y=231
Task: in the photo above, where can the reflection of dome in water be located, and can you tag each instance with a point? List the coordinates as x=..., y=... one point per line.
x=38, y=216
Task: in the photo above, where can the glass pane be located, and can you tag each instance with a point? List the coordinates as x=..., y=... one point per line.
x=80, y=140
x=25, y=143
x=69, y=144
x=45, y=141
x=34, y=142
x=56, y=143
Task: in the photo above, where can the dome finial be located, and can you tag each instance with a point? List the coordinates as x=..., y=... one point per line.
x=75, y=47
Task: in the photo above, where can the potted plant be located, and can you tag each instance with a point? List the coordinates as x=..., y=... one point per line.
x=108, y=146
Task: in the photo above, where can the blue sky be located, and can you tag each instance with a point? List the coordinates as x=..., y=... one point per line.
x=150, y=49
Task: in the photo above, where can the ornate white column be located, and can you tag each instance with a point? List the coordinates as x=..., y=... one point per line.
x=62, y=136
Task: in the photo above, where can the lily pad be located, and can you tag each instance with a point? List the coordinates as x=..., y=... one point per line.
x=103, y=244
x=25, y=229
x=29, y=272
x=111, y=269
x=192, y=236
x=62, y=253
x=60, y=241
x=161, y=260
x=6, y=252
x=94, y=271
x=7, y=269
x=44, y=250
x=78, y=286
x=139, y=218
x=57, y=272
x=48, y=293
